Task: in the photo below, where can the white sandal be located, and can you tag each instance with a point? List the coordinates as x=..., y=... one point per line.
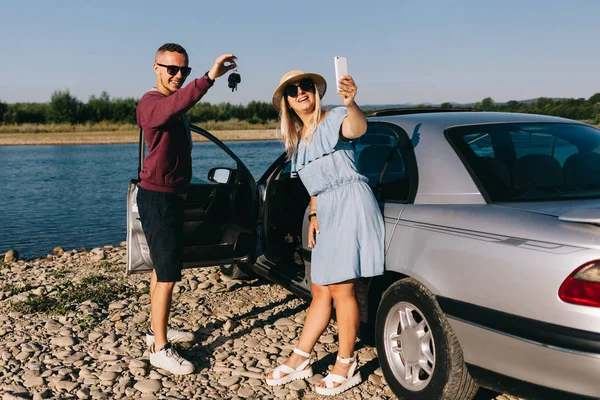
x=345, y=382
x=292, y=374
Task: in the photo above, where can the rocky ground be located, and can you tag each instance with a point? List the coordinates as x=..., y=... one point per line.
x=72, y=326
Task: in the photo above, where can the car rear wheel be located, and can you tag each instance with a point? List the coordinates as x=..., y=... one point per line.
x=235, y=272
x=419, y=354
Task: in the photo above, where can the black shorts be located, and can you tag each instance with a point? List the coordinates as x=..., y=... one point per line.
x=161, y=215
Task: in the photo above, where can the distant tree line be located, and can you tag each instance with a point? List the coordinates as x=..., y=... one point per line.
x=65, y=108
x=577, y=109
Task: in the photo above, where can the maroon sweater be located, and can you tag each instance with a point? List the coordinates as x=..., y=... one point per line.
x=168, y=164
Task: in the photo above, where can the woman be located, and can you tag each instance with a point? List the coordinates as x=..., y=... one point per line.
x=346, y=230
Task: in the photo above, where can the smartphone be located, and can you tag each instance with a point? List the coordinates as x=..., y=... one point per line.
x=341, y=69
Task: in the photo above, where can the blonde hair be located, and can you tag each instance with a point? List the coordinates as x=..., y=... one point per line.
x=291, y=125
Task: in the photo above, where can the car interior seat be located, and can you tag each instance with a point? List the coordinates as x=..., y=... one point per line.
x=582, y=170
x=371, y=161
x=537, y=172
x=497, y=168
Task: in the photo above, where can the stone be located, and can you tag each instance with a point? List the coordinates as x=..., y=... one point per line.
x=108, y=357
x=34, y=382
x=327, y=339
x=230, y=381
x=284, y=322
x=30, y=375
x=228, y=326
x=148, y=385
x=298, y=385
x=137, y=364
x=64, y=341
x=11, y=256
x=67, y=386
x=108, y=376
x=250, y=374
x=245, y=393
x=93, y=336
x=24, y=355
x=375, y=379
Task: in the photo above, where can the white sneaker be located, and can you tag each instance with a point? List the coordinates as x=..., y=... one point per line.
x=173, y=336
x=168, y=359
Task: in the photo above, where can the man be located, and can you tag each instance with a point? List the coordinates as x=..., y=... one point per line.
x=161, y=192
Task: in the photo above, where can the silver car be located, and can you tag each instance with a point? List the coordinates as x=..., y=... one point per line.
x=492, y=248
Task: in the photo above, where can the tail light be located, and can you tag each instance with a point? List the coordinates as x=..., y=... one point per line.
x=582, y=287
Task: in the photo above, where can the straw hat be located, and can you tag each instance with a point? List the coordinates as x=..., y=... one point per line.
x=295, y=76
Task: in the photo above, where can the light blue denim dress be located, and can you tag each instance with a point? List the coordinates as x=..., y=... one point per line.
x=351, y=242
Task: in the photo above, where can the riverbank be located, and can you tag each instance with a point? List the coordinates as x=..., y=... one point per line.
x=120, y=137
x=72, y=325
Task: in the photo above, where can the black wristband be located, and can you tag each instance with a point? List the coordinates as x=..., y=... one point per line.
x=311, y=215
x=211, y=81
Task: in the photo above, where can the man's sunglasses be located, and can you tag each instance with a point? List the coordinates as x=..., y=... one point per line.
x=174, y=69
x=305, y=84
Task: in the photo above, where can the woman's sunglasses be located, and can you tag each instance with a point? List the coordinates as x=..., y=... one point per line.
x=305, y=84
x=174, y=69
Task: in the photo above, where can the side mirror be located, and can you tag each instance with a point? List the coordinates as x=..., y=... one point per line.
x=220, y=175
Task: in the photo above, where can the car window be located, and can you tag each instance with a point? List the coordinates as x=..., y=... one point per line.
x=531, y=161
x=286, y=171
x=205, y=156
x=481, y=144
x=526, y=143
x=379, y=157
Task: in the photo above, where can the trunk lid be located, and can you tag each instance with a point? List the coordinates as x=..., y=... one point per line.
x=582, y=211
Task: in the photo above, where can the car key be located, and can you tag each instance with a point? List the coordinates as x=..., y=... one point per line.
x=234, y=79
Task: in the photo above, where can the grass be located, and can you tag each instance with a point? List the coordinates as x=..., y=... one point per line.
x=108, y=266
x=67, y=296
x=60, y=273
x=61, y=128
x=114, y=133
x=233, y=124
x=15, y=289
x=108, y=137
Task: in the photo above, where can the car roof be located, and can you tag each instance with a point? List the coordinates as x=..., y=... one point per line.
x=447, y=119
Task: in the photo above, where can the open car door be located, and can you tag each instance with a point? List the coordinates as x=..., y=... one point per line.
x=220, y=213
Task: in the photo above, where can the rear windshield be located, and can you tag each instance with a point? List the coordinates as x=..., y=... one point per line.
x=531, y=161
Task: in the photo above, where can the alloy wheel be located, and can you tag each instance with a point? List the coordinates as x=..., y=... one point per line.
x=409, y=345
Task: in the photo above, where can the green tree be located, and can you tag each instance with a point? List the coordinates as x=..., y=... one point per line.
x=64, y=108
x=596, y=108
x=512, y=105
x=446, y=104
x=487, y=104
x=3, y=109
x=543, y=102
x=19, y=113
x=202, y=112
x=261, y=111
x=594, y=99
x=122, y=110
x=99, y=108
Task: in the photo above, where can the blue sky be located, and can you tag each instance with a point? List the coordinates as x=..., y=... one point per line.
x=399, y=51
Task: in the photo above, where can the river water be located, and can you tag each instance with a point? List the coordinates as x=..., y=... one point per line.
x=74, y=196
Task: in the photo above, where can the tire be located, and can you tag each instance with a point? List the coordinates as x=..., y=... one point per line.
x=235, y=272
x=424, y=360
